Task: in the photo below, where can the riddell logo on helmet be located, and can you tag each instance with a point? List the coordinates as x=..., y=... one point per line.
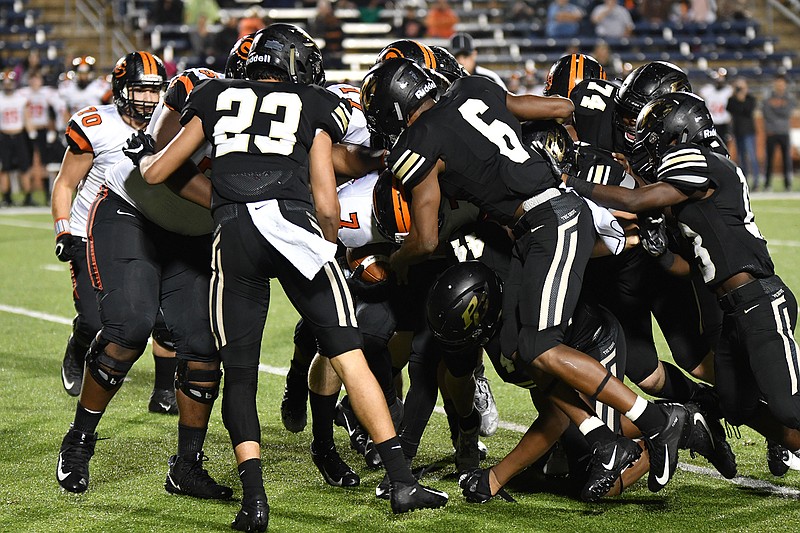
x=259, y=59
x=425, y=89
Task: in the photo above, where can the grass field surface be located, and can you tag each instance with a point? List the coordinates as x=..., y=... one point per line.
x=127, y=473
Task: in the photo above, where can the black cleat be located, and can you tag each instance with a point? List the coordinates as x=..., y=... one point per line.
x=188, y=477
x=163, y=401
x=476, y=489
x=252, y=517
x=706, y=437
x=333, y=469
x=72, y=370
x=371, y=456
x=406, y=498
x=778, y=459
x=384, y=489
x=294, y=414
x=72, y=471
x=346, y=418
x=608, y=462
x=663, y=447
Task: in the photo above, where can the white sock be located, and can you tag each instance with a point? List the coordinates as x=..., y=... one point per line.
x=590, y=424
x=638, y=408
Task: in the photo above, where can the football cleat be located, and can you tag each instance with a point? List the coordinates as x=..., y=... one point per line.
x=371, y=455
x=384, y=489
x=252, y=517
x=467, y=454
x=663, y=447
x=333, y=469
x=346, y=418
x=294, y=414
x=476, y=489
x=705, y=436
x=406, y=498
x=557, y=464
x=608, y=462
x=484, y=403
x=778, y=458
x=188, y=477
x=72, y=370
x=72, y=471
x=163, y=401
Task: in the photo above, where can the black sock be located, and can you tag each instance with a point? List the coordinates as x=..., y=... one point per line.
x=395, y=462
x=471, y=422
x=86, y=420
x=323, y=410
x=652, y=420
x=677, y=385
x=252, y=481
x=452, y=418
x=7, y=197
x=190, y=440
x=165, y=372
x=601, y=434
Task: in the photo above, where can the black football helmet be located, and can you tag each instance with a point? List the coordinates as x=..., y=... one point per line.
x=137, y=70
x=464, y=305
x=552, y=141
x=642, y=85
x=390, y=208
x=289, y=49
x=392, y=91
x=569, y=71
x=234, y=66
x=447, y=65
x=673, y=118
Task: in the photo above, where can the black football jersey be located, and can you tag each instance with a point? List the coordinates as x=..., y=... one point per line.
x=721, y=228
x=483, y=241
x=598, y=166
x=261, y=133
x=593, y=118
x=182, y=85
x=473, y=132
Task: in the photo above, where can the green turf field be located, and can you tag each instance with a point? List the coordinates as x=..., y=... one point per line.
x=128, y=470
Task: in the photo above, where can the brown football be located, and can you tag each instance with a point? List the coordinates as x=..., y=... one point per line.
x=374, y=261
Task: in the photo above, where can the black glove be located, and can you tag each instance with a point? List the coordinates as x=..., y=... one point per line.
x=139, y=145
x=653, y=235
x=65, y=247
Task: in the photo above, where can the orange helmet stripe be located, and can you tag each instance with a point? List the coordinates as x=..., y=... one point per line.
x=149, y=63
x=402, y=215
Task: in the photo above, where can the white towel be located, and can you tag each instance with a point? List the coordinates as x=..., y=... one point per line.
x=608, y=227
x=307, y=251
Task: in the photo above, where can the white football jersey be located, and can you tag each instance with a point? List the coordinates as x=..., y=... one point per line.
x=717, y=102
x=101, y=131
x=76, y=98
x=12, y=112
x=39, y=104
x=357, y=132
x=356, y=221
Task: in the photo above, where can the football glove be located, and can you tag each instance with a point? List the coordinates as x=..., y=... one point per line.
x=653, y=235
x=138, y=146
x=65, y=247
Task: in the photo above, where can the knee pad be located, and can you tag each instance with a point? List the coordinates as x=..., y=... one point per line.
x=239, y=413
x=186, y=380
x=108, y=372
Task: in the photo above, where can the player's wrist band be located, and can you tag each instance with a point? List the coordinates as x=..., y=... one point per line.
x=584, y=188
x=61, y=226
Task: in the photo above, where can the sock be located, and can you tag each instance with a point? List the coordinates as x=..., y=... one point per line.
x=28, y=198
x=471, y=422
x=323, y=410
x=647, y=416
x=577, y=448
x=596, y=431
x=677, y=385
x=165, y=372
x=452, y=418
x=252, y=482
x=395, y=462
x=7, y=197
x=86, y=420
x=190, y=440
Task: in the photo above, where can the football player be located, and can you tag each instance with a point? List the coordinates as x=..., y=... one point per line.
x=15, y=151
x=474, y=128
x=82, y=89
x=278, y=131
x=707, y=194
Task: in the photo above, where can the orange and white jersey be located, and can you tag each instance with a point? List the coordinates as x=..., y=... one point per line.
x=356, y=221
x=76, y=98
x=12, y=112
x=101, y=131
x=357, y=132
x=39, y=103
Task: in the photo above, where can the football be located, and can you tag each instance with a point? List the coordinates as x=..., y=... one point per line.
x=369, y=263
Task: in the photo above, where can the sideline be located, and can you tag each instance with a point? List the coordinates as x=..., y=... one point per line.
x=750, y=483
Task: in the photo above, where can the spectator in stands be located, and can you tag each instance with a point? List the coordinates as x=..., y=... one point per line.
x=441, y=20
x=716, y=95
x=412, y=27
x=202, y=41
x=225, y=37
x=371, y=12
x=611, y=20
x=194, y=9
x=253, y=20
x=655, y=11
x=611, y=63
x=742, y=107
x=327, y=26
x=462, y=47
x=563, y=19
x=167, y=12
x=777, y=110
x=703, y=11
x=733, y=9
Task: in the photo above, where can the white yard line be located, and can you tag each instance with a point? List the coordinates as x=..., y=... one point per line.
x=757, y=484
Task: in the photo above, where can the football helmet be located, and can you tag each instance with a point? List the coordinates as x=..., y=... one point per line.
x=390, y=208
x=642, y=85
x=569, y=71
x=289, y=49
x=464, y=305
x=552, y=141
x=137, y=70
x=420, y=54
x=83, y=70
x=673, y=118
x=392, y=91
x=447, y=65
x=234, y=66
